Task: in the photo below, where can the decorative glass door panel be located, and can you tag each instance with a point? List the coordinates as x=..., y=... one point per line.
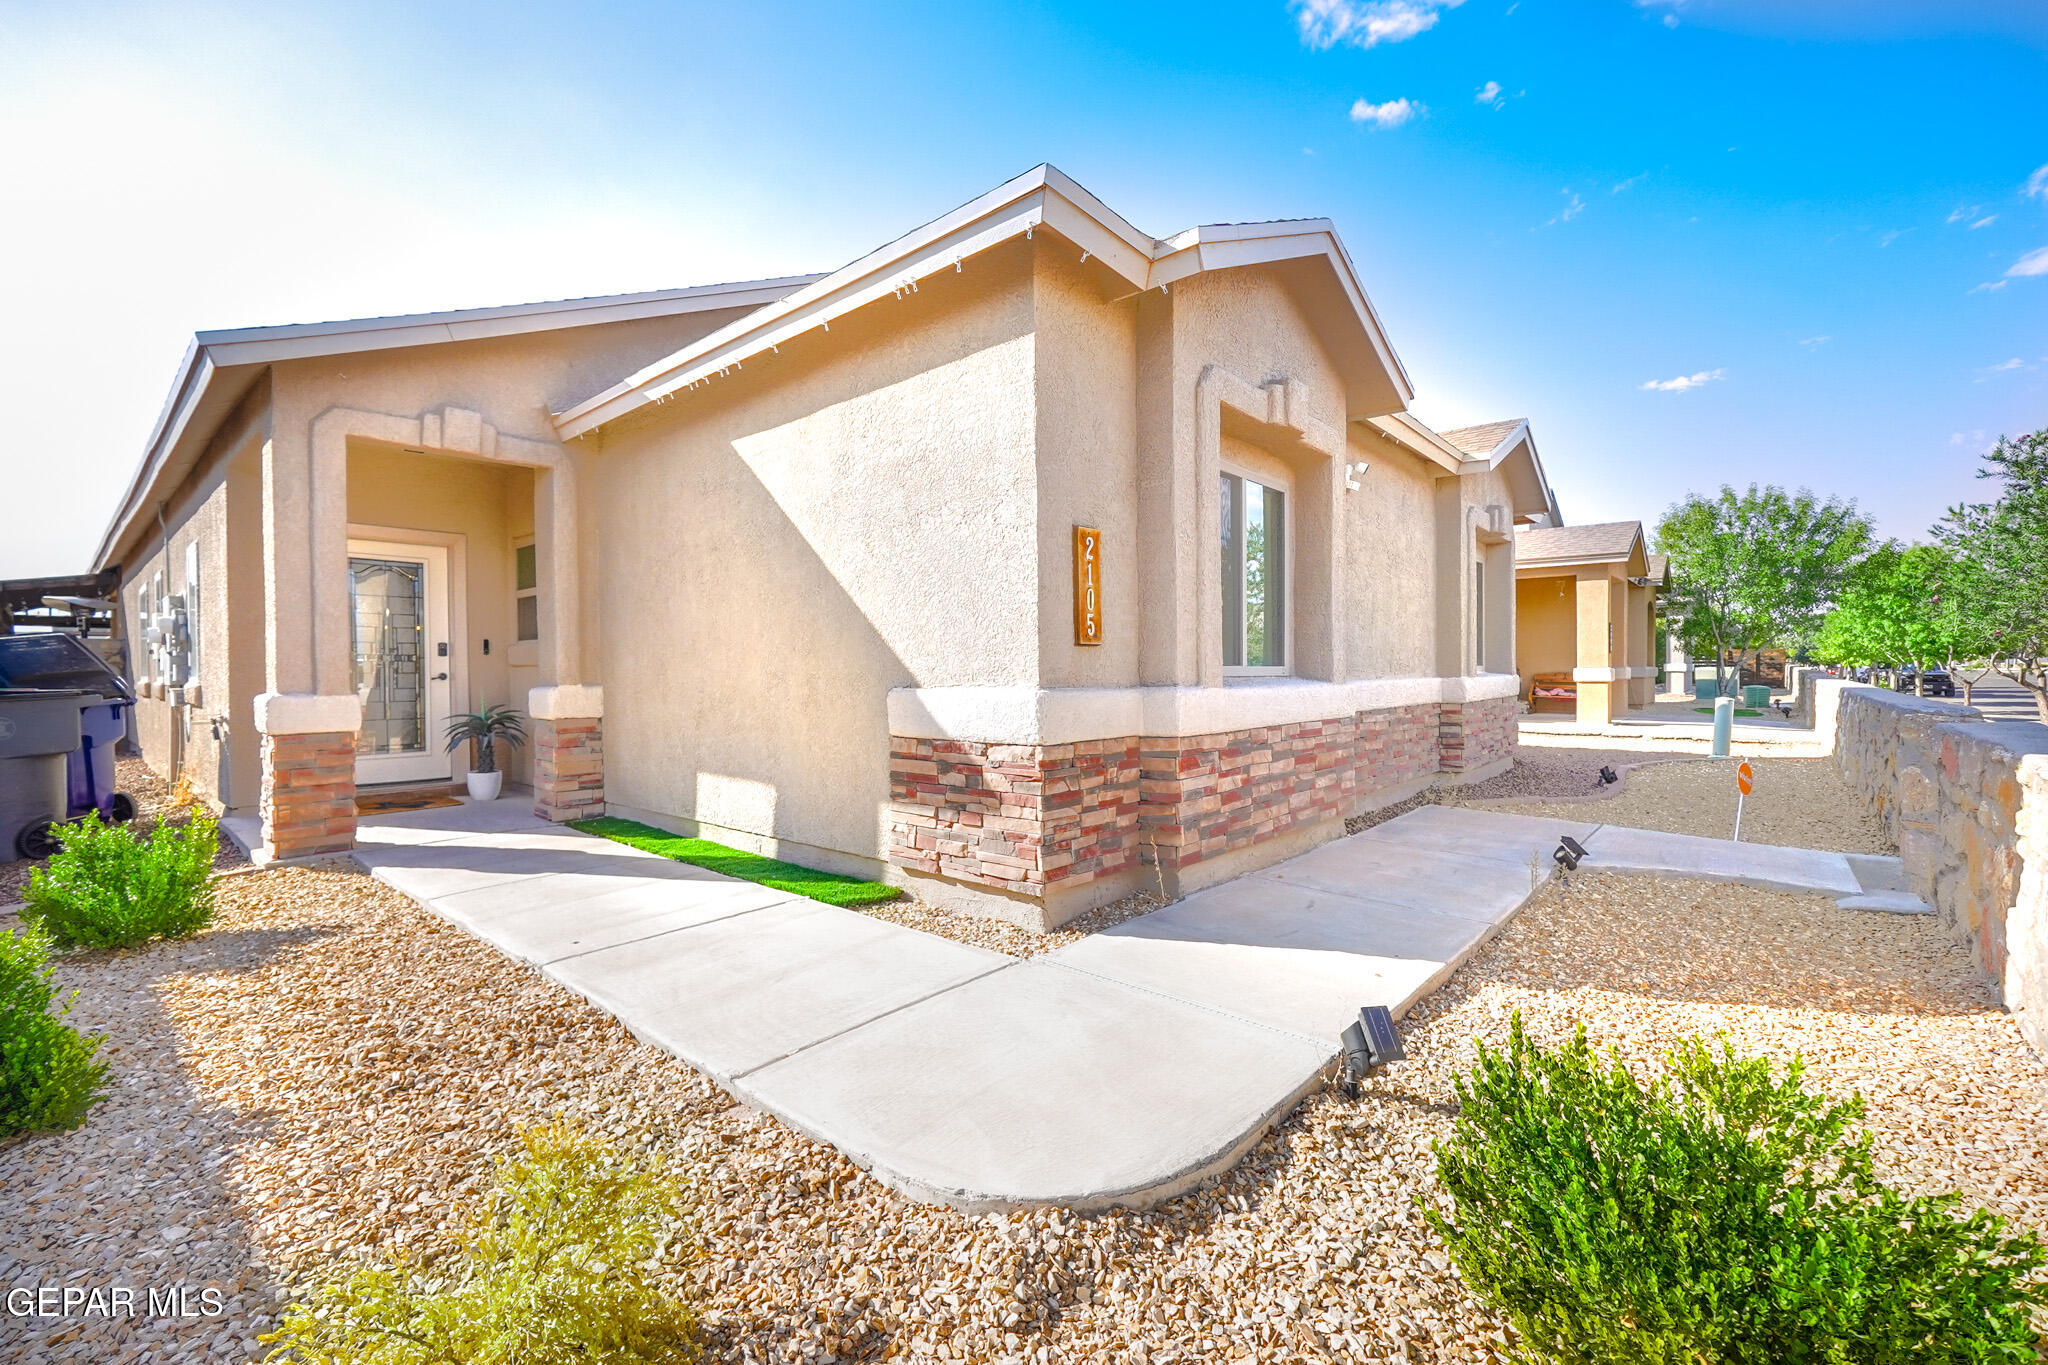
x=388, y=600
x=398, y=613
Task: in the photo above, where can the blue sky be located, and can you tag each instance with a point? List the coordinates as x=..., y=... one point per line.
x=1809, y=223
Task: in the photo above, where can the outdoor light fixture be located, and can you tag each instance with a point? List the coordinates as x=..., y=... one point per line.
x=1370, y=1042
x=1570, y=853
x=1607, y=776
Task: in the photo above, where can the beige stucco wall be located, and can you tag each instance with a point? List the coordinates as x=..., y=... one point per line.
x=210, y=738
x=1546, y=632
x=778, y=550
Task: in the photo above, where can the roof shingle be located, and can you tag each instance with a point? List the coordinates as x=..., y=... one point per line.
x=1601, y=540
x=1481, y=440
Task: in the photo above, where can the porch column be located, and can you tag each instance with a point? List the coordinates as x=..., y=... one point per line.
x=308, y=713
x=568, y=751
x=1594, y=677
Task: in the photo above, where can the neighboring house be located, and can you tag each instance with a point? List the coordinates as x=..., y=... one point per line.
x=1027, y=560
x=1586, y=614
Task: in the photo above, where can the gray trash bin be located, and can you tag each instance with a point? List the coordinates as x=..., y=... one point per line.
x=39, y=730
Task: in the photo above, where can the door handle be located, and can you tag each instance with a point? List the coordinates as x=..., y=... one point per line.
x=440, y=677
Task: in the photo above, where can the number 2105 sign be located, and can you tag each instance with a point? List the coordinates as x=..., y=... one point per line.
x=1087, y=586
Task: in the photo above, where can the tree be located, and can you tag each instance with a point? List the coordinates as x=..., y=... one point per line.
x=1901, y=604
x=1757, y=570
x=2002, y=547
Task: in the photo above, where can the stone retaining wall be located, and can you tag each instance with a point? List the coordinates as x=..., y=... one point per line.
x=1966, y=800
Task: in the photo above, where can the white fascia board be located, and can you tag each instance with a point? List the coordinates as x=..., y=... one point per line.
x=1041, y=196
x=195, y=372
x=1408, y=432
x=259, y=345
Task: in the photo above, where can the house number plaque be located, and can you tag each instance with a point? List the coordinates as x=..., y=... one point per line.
x=1087, y=586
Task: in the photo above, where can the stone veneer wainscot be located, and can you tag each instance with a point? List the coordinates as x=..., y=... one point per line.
x=308, y=800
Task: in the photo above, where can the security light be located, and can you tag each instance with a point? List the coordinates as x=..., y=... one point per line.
x=1570, y=853
x=1607, y=776
x=1369, y=1042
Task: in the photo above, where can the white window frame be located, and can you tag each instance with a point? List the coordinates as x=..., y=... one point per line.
x=518, y=544
x=192, y=612
x=1285, y=487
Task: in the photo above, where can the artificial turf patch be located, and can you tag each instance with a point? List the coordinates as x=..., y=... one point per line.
x=1740, y=711
x=828, y=887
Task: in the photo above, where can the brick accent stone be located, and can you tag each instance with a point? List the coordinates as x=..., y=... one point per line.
x=1019, y=817
x=308, y=799
x=1472, y=734
x=568, y=768
x=1206, y=795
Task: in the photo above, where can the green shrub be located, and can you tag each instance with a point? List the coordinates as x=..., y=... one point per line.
x=556, y=1266
x=1723, y=1214
x=49, y=1075
x=111, y=887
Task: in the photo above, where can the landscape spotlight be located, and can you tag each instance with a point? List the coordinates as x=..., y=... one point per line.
x=1570, y=853
x=1368, y=1043
x=1607, y=776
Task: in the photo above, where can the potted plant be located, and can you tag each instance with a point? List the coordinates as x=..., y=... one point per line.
x=484, y=729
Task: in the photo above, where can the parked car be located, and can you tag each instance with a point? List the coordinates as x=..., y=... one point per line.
x=1938, y=683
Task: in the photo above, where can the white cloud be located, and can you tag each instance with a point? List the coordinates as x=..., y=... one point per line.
x=1682, y=383
x=1571, y=210
x=1888, y=238
x=1959, y=214
x=1366, y=23
x=1489, y=93
x=1815, y=343
x=1630, y=183
x=2037, y=184
x=2002, y=367
x=1671, y=21
x=1392, y=114
x=1985, y=221
x=1988, y=287
x=2035, y=262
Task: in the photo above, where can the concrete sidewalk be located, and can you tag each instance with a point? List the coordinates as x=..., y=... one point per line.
x=1119, y=1070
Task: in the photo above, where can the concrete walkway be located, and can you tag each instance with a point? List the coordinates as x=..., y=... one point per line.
x=1119, y=1070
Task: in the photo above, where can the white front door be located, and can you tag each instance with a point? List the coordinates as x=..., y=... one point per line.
x=398, y=615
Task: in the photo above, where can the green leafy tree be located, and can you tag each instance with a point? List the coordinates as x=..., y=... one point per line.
x=1756, y=570
x=1902, y=604
x=2002, y=547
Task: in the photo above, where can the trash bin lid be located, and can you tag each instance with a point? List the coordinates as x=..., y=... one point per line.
x=57, y=660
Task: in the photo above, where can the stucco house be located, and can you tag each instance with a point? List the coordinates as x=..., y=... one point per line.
x=1026, y=560
x=1586, y=618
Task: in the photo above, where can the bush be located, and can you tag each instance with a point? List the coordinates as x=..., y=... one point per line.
x=1723, y=1214
x=556, y=1266
x=111, y=888
x=49, y=1075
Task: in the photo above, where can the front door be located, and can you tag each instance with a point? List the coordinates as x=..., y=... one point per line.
x=398, y=614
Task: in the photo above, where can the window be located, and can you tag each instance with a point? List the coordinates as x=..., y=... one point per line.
x=1479, y=613
x=192, y=607
x=526, y=591
x=1254, y=576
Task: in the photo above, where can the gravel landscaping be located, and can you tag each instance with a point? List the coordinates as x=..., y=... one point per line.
x=329, y=1069
x=1799, y=802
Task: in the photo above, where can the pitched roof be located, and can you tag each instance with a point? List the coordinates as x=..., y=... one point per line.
x=1660, y=567
x=1483, y=440
x=1604, y=540
x=219, y=366
x=1042, y=198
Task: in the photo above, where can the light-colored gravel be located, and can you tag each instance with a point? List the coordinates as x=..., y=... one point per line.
x=330, y=1068
x=1799, y=802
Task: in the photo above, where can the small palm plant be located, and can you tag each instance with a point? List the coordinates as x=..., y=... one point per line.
x=485, y=728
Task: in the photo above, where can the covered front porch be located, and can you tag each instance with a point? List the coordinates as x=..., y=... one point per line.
x=416, y=568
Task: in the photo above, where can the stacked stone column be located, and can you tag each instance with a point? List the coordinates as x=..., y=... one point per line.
x=308, y=795
x=568, y=751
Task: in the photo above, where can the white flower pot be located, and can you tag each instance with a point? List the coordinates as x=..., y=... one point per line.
x=485, y=786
